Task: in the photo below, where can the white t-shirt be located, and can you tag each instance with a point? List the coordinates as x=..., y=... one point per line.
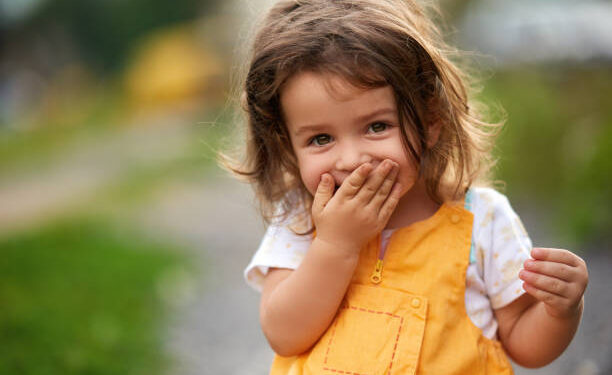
x=500, y=245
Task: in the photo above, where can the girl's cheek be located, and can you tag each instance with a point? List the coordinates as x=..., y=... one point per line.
x=407, y=178
x=311, y=182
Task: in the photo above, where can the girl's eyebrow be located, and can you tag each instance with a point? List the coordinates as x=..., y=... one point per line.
x=314, y=128
x=308, y=129
x=378, y=112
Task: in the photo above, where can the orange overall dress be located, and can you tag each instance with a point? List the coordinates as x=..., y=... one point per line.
x=412, y=320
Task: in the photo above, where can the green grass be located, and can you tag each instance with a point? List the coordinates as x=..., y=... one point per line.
x=82, y=297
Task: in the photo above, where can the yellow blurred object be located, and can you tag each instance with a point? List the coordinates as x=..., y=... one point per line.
x=171, y=66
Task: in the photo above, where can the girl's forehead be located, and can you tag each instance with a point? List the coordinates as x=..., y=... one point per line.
x=335, y=86
x=312, y=99
x=340, y=88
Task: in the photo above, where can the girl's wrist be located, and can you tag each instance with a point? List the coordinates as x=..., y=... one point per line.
x=344, y=250
x=569, y=314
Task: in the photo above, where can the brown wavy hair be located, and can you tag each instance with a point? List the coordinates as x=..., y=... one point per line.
x=369, y=43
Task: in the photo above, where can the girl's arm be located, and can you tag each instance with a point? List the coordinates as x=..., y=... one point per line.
x=537, y=327
x=298, y=306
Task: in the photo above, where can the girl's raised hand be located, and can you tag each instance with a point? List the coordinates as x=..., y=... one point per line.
x=556, y=277
x=360, y=208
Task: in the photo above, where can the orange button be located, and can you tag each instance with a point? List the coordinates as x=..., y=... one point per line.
x=416, y=302
x=455, y=218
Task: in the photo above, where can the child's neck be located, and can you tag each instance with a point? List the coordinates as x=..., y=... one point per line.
x=415, y=205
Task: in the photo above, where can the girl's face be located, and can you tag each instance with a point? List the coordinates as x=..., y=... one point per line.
x=335, y=127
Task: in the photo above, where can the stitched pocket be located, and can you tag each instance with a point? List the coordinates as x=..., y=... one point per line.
x=376, y=331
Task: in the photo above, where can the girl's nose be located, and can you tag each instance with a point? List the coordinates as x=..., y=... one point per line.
x=350, y=156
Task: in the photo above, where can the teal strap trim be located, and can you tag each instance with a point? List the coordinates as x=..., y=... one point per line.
x=468, y=206
x=468, y=200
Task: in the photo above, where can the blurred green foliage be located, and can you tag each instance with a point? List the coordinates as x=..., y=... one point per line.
x=105, y=31
x=556, y=148
x=81, y=297
x=97, y=112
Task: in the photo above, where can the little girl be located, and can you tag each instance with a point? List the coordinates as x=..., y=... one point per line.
x=383, y=257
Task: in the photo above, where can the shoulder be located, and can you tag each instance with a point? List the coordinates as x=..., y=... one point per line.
x=486, y=198
x=494, y=218
x=491, y=209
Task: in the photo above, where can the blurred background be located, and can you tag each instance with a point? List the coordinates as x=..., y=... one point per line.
x=122, y=243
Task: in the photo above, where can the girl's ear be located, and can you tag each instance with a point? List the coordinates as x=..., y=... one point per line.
x=433, y=133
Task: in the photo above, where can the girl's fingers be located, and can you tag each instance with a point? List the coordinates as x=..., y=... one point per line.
x=324, y=192
x=560, y=264
x=376, y=180
x=390, y=203
x=553, y=300
x=556, y=255
x=545, y=283
x=353, y=183
x=384, y=188
x=558, y=270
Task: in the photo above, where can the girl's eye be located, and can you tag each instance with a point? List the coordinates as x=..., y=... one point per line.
x=321, y=139
x=377, y=127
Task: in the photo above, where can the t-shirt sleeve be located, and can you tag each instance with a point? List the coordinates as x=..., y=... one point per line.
x=501, y=247
x=279, y=248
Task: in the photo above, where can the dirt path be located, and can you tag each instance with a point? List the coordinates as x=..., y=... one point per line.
x=218, y=332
